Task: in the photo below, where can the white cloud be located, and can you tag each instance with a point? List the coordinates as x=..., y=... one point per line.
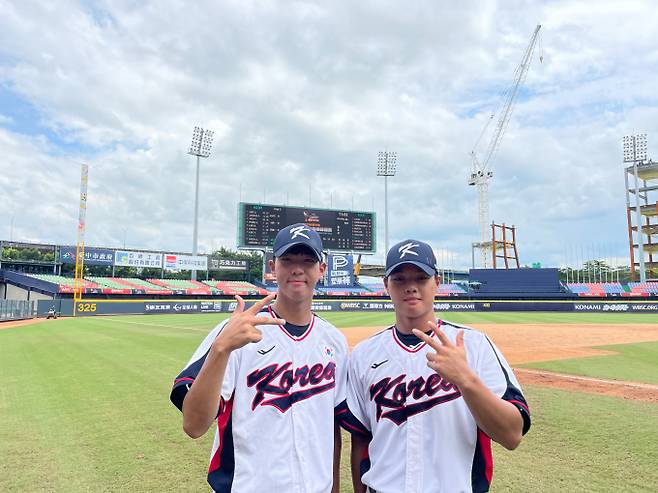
x=307, y=95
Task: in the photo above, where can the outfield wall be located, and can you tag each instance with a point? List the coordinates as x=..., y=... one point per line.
x=17, y=310
x=94, y=307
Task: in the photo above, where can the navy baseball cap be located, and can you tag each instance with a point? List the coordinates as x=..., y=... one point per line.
x=297, y=234
x=412, y=252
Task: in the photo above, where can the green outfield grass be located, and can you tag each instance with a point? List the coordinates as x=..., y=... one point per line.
x=635, y=362
x=84, y=407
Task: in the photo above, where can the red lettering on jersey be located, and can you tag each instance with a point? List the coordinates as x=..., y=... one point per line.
x=276, y=380
x=391, y=394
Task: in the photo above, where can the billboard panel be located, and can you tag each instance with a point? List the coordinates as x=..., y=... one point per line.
x=228, y=264
x=176, y=261
x=258, y=224
x=340, y=271
x=93, y=256
x=125, y=258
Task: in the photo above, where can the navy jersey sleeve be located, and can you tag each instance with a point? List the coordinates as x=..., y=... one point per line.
x=496, y=374
x=354, y=416
x=187, y=376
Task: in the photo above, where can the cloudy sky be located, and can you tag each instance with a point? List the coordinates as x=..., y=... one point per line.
x=304, y=94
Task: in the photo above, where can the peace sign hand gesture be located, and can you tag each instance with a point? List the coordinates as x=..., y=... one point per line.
x=241, y=328
x=449, y=360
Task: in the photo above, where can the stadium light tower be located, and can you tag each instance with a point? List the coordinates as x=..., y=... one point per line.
x=635, y=151
x=200, y=147
x=386, y=167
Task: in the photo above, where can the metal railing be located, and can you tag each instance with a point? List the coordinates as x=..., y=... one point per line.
x=17, y=309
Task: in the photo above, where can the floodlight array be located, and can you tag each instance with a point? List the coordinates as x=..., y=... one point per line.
x=201, y=142
x=386, y=163
x=635, y=148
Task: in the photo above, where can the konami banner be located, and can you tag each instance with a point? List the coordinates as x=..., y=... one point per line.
x=177, y=261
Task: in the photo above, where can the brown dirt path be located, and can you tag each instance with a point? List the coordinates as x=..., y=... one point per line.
x=18, y=323
x=525, y=343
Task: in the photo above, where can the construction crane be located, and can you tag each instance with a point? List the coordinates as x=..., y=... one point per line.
x=481, y=172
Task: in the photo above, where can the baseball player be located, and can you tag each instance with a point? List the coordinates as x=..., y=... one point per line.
x=271, y=377
x=425, y=396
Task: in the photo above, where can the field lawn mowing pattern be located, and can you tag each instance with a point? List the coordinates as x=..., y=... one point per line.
x=84, y=407
x=634, y=362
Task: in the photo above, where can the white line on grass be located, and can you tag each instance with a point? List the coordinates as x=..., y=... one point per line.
x=566, y=376
x=177, y=327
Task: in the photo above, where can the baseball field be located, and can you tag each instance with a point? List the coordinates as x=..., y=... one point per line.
x=84, y=402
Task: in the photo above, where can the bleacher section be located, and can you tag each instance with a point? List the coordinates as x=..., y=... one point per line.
x=485, y=282
x=643, y=289
x=182, y=286
x=343, y=291
x=118, y=285
x=66, y=284
x=236, y=287
x=373, y=284
x=598, y=289
x=517, y=282
x=450, y=289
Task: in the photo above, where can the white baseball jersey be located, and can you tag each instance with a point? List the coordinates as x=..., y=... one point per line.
x=275, y=426
x=424, y=439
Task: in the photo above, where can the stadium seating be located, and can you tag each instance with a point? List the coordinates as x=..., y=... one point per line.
x=600, y=289
x=66, y=284
x=342, y=291
x=118, y=285
x=184, y=286
x=236, y=287
x=643, y=289
x=450, y=289
x=142, y=285
x=517, y=281
x=375, y=285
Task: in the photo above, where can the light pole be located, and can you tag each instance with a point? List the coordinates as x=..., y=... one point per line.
x=635, y=151
x=386, y=167
x=200, y=147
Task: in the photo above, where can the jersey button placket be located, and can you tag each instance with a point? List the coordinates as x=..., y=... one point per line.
x=296, y=464
x=414, y=437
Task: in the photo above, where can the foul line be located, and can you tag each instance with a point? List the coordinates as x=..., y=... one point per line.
x=588, y=379
x=177, y=327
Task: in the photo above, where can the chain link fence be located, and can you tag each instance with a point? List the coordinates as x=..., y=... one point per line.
x=17, y=309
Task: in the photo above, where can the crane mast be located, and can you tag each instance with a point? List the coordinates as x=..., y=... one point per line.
x=480, y=172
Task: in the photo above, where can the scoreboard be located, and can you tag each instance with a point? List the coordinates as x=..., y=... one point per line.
x=351, y=231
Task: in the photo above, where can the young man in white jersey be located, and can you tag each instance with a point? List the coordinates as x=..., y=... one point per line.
x=425, y=396
x=272, y=377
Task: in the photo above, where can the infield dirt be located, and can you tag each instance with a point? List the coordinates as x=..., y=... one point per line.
x=526, y=343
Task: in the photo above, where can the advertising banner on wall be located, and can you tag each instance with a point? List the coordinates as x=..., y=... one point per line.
x=125, y=258
x=228, y=264
x=340, y=270
x=177, y=261
x=93, y=256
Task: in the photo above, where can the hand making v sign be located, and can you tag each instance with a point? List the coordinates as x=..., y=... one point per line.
x=241, y=328
x=449, y=360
